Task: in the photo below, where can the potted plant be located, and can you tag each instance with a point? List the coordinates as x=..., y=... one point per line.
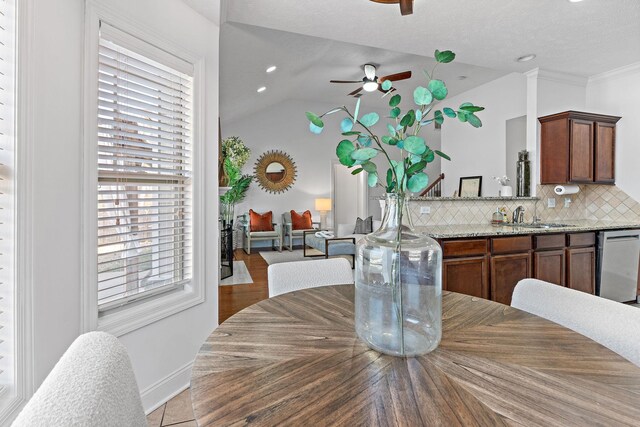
x=238, y=186
x=398, y=271
x=233, y=149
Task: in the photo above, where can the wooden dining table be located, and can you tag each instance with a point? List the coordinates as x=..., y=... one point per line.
x=296, y=360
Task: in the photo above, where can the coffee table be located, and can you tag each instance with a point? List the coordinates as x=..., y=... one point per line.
x=333, y=246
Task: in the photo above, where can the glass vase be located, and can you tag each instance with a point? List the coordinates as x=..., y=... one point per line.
x=398, y=296
x=226, y=213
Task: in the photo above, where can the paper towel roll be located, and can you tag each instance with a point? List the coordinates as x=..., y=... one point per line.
x=562, y=190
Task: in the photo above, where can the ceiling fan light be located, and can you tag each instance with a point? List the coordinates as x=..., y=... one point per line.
x=370, y=86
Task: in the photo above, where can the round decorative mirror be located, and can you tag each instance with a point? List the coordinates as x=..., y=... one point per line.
x=275, y=171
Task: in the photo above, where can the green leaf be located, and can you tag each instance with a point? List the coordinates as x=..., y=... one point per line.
x=392, y=130
x=474, y=121
x=389, y=177
x=444, y=57
x=441, y=154
x=438, y=117
x=400, y=171
x=422, y=96
x=415, y=145
x=386, y=85
x=346, y=125
x=389, y=140
x=343, y=151
x=355, y=114
x=395, y=100
x=416, y=167
x=356, y=171
x=370, y=167
x=395, y=112
x=438, y=89
x=471, y=108
x=449, y=112
x=370, y=119
x=418, y=182
x=372, y=179
x=351, y=133
x=409, y=119
x=429, y=156
x=364, y=140
x=315, y=129
x=313, y=118
x=462, y=116
x=364, y=154
x=418, y=115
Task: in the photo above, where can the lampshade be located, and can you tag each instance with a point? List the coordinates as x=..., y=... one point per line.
x=323, y=205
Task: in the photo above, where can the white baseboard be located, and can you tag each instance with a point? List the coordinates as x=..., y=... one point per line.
x=168, y=387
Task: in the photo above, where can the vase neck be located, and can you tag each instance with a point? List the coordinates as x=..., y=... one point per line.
x=396, y=212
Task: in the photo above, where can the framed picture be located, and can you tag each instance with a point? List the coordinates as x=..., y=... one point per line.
x=470, y=186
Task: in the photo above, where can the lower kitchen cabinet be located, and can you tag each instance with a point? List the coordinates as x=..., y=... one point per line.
x=550, y=266
x=506, y=272
x=468, y=276
x=581, y=269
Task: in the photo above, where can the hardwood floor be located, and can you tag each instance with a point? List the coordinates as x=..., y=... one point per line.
x=232, y=299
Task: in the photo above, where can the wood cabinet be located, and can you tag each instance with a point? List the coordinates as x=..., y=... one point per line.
x=550, y=266
x=506, y=272
x=577, y=147
x=581, y=262
x=468, y=276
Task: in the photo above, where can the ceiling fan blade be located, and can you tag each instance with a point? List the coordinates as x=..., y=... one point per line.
x=355, y=91
x=406, y=7
x=395, y=77
x=345, y=81
x=370, y=71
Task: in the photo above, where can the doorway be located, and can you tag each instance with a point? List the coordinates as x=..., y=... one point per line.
x=349, y=195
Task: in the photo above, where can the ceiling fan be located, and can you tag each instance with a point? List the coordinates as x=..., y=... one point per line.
x=406, y=6
x=371, y=82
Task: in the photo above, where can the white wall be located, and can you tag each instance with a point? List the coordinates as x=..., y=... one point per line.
x=516, y=141
x=160, y=352
x=616, y=93
x=284, y=127
x=482, y=151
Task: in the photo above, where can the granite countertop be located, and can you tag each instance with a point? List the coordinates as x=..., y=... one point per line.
x=476, y=230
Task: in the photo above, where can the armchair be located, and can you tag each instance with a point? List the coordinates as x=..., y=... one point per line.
x=289, y=233
x=249, y=236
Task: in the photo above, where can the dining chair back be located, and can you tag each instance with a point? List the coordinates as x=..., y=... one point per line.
x=292, y=276
x=612, y=324
x=91, y=385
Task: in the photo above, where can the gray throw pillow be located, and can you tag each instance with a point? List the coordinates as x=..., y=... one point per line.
x=364, y=226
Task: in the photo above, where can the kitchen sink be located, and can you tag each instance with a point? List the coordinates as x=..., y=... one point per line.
x=544, y=225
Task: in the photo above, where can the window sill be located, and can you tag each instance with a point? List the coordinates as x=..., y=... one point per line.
x=129, y=319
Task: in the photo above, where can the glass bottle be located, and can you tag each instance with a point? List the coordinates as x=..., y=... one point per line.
x=398, y=296
x=523, y=172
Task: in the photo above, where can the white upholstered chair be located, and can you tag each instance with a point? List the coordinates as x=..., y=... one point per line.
x=292, y=276
x=612, y=324
x=289, y=234
x=91, y=385
x=251, y=236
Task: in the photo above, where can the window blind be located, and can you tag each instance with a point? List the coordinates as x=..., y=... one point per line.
x=7, y=203
x=144, y=171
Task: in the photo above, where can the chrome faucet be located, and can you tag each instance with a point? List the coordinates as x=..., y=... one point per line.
x=518, y=215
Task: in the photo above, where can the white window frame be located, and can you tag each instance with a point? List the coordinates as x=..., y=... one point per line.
x=146, y=311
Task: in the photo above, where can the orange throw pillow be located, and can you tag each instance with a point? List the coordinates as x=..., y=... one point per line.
x=301, y=222
x=260, y=222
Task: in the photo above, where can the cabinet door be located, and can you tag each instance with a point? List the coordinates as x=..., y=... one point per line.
x=506, y=272
x=581, y=151
x=581, y=269
x=468, y=276
x=605, y=141
x=554, y=152
x=549, y=266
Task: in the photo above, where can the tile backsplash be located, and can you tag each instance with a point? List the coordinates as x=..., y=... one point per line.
x=595, y=202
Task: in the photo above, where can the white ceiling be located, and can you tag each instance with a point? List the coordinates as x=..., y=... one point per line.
x=306, y=64
x=584, y=39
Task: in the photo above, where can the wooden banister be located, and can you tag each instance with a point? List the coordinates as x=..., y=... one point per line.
x=435, y=189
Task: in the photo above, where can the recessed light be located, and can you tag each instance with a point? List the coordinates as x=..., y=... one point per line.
x=262, y=89
x=272, y=69
x=574, y=1
x=526, y=58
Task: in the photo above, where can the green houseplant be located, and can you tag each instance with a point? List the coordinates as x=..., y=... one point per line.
x=398, y=271
x=234, y=150
x=239, y=185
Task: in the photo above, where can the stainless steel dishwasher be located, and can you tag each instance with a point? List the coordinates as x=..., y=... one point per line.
x=619, y=256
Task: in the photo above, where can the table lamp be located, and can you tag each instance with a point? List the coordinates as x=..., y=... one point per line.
x=323, y=206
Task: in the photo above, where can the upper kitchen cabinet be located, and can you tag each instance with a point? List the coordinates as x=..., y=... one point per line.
x=577, y=148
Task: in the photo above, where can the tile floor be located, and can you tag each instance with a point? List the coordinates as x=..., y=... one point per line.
x=175, y=413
